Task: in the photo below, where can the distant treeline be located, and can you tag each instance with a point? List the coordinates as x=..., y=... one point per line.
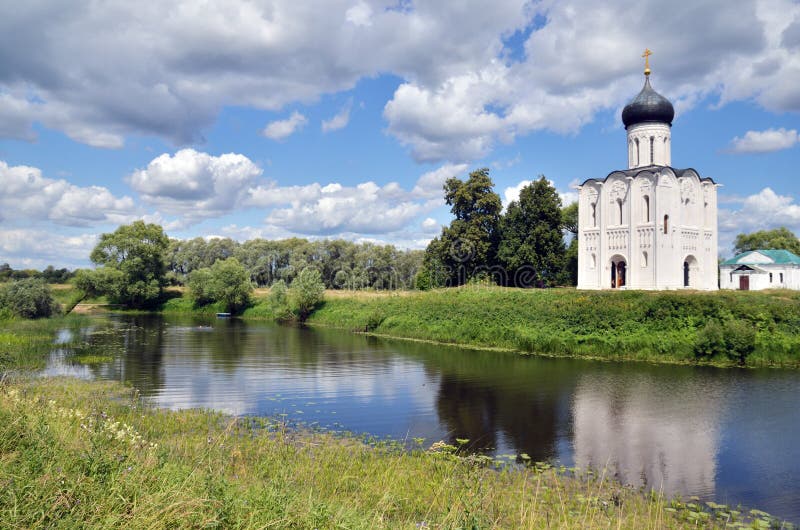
x=342, y=264
x=49, y=275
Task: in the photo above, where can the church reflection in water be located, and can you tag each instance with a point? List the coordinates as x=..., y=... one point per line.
x=648, y=433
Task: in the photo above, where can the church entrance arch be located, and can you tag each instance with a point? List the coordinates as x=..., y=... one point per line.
x=619, y=272
x=691, y=271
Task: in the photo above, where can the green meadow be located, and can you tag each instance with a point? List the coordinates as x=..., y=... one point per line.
x=722, y=328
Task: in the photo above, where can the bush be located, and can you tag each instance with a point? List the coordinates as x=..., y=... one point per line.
x=29, y=298
x=306, y=292
x=740, y=340
x=278, y=299
x=710, y=340
x=735, y=339
x=225, y=281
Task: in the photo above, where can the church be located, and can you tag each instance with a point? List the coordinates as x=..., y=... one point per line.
x=650, y=226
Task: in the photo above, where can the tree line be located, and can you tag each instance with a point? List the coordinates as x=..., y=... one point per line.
x=342, y=264
x=523, y=246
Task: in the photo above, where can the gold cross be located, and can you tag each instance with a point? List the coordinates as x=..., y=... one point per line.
x=647, y=53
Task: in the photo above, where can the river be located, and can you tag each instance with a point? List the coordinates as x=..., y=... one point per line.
x=727, y=435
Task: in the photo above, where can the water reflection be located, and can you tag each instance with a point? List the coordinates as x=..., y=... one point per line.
x=649, y=431
x=723, y=434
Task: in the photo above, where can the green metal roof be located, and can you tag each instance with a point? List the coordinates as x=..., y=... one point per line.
x=777, y=256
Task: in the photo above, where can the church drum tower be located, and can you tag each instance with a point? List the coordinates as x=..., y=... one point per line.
x=650, y=226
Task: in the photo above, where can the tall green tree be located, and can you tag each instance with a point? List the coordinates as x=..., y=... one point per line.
x=531, y=239
x=136, y=253
x=569, y=224
x=468, y=247
x=226, y=281
x=778, y=238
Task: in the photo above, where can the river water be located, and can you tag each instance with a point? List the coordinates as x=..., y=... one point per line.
x=728, y=435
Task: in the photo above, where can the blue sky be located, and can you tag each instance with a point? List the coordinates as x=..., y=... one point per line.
x=281, y=118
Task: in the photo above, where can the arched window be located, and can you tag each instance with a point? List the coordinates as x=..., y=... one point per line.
x=594, y=261
x=666, y=224
x=646, y=211
x=619, y=205
x=644, y=259
x=636, y=141
x=594, y=214
x=652, y=158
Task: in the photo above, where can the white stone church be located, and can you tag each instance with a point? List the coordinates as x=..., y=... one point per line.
x=650, y=226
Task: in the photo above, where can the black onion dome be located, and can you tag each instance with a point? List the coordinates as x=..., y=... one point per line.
x=648, y=106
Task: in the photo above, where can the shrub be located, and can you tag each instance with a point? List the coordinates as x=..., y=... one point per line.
x=710, y=340
x=225, y=281
x=735, y=339
x=306, y=292
x=740, y=340
x=29, y=298
x=278, y=299
x=375, y=319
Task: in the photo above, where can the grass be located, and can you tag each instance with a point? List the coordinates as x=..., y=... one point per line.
x=24, y=344
x=627, y=325
x=90, y=454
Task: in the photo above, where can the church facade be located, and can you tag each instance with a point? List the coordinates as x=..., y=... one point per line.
x=650, y=226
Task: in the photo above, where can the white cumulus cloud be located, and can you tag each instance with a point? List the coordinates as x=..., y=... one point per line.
x=511, y=193
x=27, y=196
x=281, y=129
x=195, y=185
x=761, y=211
x=765, y=141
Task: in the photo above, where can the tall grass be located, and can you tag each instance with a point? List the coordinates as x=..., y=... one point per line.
x=24, y=344
x=651, y=326
x=90, y=455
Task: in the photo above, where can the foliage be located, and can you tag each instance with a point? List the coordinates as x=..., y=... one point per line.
x=760, y=329
x=137, y=252
x=735, y=339
x=226, y=281
x=90, y=454
x=779, y=238
x=342, y=264
x=30, y=298
x=469, y=245
x=306, y=292
x=49, y=274
x=569, y=218
x=99, y=282
x=531, y=242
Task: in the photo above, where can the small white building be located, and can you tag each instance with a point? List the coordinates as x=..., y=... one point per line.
x=761, y=269
x=650, y=226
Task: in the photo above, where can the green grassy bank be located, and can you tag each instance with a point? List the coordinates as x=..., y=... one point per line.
x=722, y=328
x=91, y=455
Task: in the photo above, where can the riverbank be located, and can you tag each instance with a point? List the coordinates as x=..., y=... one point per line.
x=725, y=328
x=760, y=329
x=92, y=454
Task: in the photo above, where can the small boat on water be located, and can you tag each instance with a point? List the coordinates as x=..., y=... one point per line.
x=223, y=315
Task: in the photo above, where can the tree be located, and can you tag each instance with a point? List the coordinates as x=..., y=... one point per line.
x=532, y=242
x=779, y=238
x=569, y=218
x=137, y=251
x=569, y=223
x=467, y=247
x=306, y=292
x=30, y=298
x=226, y=281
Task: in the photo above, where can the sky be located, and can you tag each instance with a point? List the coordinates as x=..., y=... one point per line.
x=344, y=118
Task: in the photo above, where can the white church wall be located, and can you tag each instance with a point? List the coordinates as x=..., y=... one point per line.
x=640, y=135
